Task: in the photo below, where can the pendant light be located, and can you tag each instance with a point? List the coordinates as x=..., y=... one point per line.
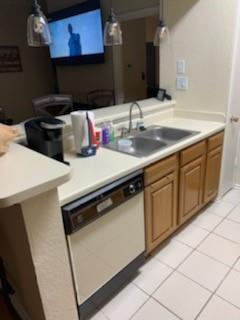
x=38, y=33
x=162, y=29
x=112, y=31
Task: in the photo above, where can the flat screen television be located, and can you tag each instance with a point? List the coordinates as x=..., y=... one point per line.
x=77, y=34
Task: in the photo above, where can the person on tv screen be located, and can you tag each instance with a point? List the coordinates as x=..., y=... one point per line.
x=74, y=43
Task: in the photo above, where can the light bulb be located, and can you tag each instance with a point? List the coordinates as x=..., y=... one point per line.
x=161, y=33
x=38, y=24
x=38, y=32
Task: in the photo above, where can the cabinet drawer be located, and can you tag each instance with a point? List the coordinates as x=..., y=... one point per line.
x=215, y=141
x=192, y=153
x=160, y=169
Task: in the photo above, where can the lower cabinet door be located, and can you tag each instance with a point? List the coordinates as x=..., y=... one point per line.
x=161, y=210
x=213, y=170
x=191, y=188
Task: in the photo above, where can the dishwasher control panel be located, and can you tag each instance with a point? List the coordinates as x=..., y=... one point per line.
x=83, y=211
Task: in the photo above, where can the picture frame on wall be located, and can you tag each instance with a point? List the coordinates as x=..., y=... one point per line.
x=10, y=60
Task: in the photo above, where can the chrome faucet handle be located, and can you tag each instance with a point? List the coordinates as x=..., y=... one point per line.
x=130, y=114
x=124, y=131
x=140, y=125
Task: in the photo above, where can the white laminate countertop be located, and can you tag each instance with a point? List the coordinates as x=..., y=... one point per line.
x=25, y=174
x=92, y=173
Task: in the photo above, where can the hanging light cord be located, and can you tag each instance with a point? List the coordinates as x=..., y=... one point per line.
x=162, y=9
x=112, y=17
x=35, y=6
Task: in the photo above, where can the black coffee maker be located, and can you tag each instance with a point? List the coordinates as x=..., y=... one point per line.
x=44, y=135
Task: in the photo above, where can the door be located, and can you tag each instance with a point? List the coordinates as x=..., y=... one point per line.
x=160, y=210
x=212, y=174
x=231, y=154
x=134, y=60
x=191, y=188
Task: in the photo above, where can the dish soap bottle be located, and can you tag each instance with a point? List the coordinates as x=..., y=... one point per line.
x=105, y=134
x=111, y=132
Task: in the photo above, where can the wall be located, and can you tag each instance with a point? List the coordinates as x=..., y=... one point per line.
x=124, y=6
x=202, y=33
x=15, y=251
x=34, y=250
x=135, y=88
x=137, y=32
x=78, y=80
x=37, y=78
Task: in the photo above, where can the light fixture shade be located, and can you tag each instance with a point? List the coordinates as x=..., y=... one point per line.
x=112, y=31
x=161, y=33
x=38, y=33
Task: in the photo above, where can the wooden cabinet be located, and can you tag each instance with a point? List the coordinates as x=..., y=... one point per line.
x=192, y=172
x=191, y=188
x=161, y=201
x=213, y=167
x=161, y=210
x=177, y=187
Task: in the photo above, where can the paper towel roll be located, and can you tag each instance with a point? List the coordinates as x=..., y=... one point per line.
x=80, y=129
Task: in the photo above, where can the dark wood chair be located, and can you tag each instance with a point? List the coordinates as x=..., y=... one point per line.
x=53, y=105
x=101, y=98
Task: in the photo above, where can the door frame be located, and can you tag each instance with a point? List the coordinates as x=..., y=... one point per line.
x=117, y=50
x=231, y=162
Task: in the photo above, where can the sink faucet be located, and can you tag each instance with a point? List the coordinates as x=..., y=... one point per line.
x=130, y=114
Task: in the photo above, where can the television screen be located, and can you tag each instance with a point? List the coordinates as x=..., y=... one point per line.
x=77, y=35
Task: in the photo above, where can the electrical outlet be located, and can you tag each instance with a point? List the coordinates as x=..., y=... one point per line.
x=181, y=66
x=182, y=83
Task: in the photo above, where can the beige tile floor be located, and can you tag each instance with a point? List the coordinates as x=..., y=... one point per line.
x=193, y=276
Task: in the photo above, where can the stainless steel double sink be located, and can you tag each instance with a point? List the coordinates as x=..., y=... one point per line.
x=153, y=139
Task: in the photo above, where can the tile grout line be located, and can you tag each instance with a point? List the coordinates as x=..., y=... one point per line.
x=139, y=308
x=238, y=222
x=175, y=270
x=193, y=250
x=199, y=284
x=216, y=260
x=162, y=305
x=177, y=267
x=214, y=293
x=230, y=269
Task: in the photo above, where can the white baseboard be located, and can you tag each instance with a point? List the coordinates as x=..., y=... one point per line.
x=236, y=186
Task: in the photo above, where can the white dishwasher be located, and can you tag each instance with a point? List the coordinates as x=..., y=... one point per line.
x=106, y=240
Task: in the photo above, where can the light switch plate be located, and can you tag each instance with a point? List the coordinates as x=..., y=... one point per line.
x=181, y=66
x=182, y=83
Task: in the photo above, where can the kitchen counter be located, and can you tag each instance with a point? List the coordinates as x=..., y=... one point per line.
x=25, y=174
x=32, y=181
x=92, y=173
